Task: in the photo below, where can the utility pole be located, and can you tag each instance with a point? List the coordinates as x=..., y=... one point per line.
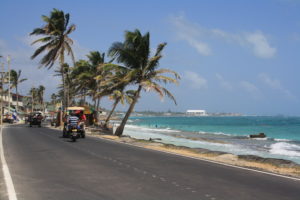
x=2, y=91
x=32, y=101
x=8, y=62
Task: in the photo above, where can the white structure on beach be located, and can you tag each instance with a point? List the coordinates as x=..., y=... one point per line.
x=196, y=112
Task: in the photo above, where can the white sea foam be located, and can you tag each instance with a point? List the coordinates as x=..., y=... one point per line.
x=214, y=133
x=281, y=140
x=286, y=149
x=259, y=138
x=152, y=129
x=277, y=150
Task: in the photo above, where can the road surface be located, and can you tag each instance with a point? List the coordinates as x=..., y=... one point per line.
x=45, y=166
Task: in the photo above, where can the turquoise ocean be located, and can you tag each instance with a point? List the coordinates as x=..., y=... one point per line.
x=228, y=134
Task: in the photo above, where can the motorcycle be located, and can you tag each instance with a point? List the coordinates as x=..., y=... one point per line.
x=74, y=132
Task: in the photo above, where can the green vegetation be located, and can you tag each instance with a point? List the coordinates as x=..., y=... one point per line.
x=131, y=65
x=15, y=78
x=37, y=98
x=55, y=42
x=134, y=53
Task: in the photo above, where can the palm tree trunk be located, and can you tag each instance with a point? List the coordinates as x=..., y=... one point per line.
x=17, y=106
x=95, y=103
x=98, y=103
x=120, y=129
x=64, y=97
x=68, y=89
x=84, y=97
x=111, y=112
x=32, y=102
x=44, y=107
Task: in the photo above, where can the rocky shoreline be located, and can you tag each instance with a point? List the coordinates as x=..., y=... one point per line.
x=273, y=165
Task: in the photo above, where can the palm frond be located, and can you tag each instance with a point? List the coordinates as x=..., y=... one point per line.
x=44, y=39
x=162, y=71
x=165, y=79
x=40, y=50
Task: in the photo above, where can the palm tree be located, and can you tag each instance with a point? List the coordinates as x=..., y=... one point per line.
x=85, y=73
x=55, y=41
x=40, y=96
x=81, y=77
x=53, y=98
x=96, y=59
x=15, y=81
x=119, y=96
x=134, y=53
x=33, y=93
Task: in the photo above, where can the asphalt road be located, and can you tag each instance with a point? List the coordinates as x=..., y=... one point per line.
x=45, y=166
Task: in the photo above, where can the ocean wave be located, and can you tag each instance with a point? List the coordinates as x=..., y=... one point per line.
x=259, y=138
x=214, y=133
x=152, y=129
x=286, y=149
x=281, y=140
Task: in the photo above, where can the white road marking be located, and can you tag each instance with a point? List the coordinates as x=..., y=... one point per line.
x=163, y=179
x=127, y=165
x=203, y=159
x=7, y=177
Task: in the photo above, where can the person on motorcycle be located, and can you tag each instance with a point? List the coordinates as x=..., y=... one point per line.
x=39, y=117
x=72, y=120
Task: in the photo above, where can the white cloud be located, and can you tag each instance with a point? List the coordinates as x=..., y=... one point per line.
x=276, y=85
x=196, y=81
x=224, y=84
x=260, y=45
x=252, y=89
x=190, y=33
x=273, y=83
x=201, y=47
x=197, y=37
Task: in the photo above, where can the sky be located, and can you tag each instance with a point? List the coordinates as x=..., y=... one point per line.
x=235, y=56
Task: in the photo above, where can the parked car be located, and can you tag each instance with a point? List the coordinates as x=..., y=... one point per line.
x=8, y=119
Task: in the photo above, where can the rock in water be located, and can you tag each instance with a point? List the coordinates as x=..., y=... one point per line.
x=260, y=135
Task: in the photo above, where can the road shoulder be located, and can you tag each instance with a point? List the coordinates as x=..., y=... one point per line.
x=277, y=167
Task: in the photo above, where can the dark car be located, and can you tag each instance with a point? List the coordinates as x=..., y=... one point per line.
x=8, y=119
x=35, y=119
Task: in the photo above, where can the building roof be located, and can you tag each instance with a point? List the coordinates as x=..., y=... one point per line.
x=195, y=111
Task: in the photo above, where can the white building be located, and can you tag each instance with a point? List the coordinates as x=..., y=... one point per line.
x=13, y=102
x=196, y=112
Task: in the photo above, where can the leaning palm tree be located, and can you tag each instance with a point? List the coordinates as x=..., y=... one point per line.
x=119, y=96
x=134, y=53
x=55, y=42
x=15, y=78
